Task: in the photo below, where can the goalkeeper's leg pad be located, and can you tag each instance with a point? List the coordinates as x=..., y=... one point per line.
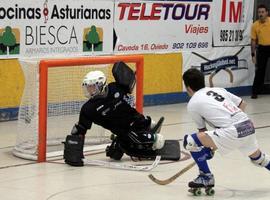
x=73, y=150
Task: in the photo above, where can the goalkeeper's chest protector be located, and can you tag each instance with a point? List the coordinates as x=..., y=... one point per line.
x=111, y=112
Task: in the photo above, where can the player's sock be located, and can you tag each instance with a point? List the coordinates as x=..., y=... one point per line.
x=268, y=166
x=201, y=157
x=201, y=160
x=199, y=153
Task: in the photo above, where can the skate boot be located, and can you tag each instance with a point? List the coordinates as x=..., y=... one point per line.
x=205, y=181
x=114, y=151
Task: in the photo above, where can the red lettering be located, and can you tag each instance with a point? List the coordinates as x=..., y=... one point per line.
x=159, y=46
x=235, y=15
x=128, y=48
x=143, y=16
x=153, y=11
x=223, y=11
x=196, y=29
x=123, y=7
x=235, y=11
x=156, y=10
x=134, y=10
x=187, y=28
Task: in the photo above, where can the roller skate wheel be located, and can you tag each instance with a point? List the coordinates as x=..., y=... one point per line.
x=195, y=191
x=210, y=191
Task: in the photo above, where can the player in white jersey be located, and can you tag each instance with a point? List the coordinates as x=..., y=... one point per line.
x=232, y=128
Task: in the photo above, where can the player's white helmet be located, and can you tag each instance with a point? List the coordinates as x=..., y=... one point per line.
x=94, y=83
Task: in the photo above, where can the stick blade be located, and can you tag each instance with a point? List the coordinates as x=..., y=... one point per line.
x=157, y=181
x=175, y=176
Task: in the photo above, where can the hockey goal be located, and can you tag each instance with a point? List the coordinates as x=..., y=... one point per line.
x=52, y=100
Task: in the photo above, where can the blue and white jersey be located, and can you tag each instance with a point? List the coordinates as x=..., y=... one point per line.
x=215, y=106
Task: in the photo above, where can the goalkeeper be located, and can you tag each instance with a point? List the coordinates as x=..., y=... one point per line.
x=109, y=107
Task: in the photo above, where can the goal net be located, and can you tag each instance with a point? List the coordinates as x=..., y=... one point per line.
x=52, y=100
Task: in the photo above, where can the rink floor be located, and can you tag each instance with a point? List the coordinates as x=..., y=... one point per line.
x=236, y=178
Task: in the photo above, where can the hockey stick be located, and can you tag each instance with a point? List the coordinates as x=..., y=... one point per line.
x=171, y=179
x=122, y=166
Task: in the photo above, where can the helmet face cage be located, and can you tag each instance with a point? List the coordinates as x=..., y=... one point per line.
x=94, y=83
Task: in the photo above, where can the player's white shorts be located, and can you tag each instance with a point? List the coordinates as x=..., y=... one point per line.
x=238, y=136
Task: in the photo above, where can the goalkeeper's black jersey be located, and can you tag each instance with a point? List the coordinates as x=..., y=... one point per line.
x=112, y=112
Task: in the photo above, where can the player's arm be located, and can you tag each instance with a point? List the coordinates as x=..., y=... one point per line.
x=198, y=119
x=74, y=143
x=253, y=42
x=237, y=101
x=85, y=119
x=253, y=50
x=253, y=47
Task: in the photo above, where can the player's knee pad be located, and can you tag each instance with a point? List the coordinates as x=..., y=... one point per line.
x=192, y=143
x=159, y=142
x=73, y=150
x=262, y=160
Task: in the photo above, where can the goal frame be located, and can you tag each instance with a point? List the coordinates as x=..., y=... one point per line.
x=44, y=66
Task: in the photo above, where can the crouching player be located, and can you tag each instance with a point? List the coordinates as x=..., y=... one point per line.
x=232, y=128
x=108, y=106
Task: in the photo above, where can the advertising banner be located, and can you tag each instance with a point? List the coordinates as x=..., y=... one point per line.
x=222, y=67
x=52, y=28
x=162, y=26
x=232, y=21
x=37, y=28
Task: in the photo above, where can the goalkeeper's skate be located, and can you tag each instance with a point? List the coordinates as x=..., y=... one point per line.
x=205, y=181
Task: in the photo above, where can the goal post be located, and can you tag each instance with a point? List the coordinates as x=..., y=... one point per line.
x=43, y=89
